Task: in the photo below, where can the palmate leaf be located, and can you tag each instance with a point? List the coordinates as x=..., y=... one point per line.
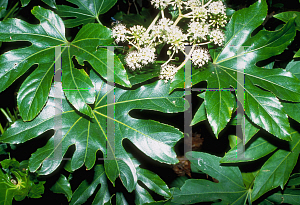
x=45, y=37
x=262, y=107
x=89, y=135
x=230, y=188
x=277, y=169
x=87, y=12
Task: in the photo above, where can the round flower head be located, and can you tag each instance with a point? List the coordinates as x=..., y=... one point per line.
x=192, y=4
x=176, y=38
x=118, y=32
x=133, y=60
x=147, y=55
x=200, y=13
x=137, y=33
x=198, y=31
x=217, y=36
x=162, y=28
x=216, y=7
x=167, y=72
x=176, y=3
x=160, y=4
x=200, y=56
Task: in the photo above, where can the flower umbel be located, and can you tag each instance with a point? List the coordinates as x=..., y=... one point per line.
x=217, y=36
x=216, y=7
x=118, y=32
x=198, y=31
x=160, y=4
x=141, y=57
x=167, y=72
x=205, y=19
x=200, y=56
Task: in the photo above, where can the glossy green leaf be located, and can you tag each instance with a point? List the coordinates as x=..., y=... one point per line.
x=292, y=109
x=230, y=188
x=25, y=2
x=85, y=189
x=289, y=196
x=294, y=180
x=297, y=54
x=243, y=51
x=50, y=3
x=89, y=135
x=248, y=178
x=200, y=115
x=277, y=169
x=34, y=91
x=142, y=196
x=153, y=182
x=286, y=16
x=3, y=11
x=87, y=12
x=147, y=73
x=257, y=149
x=62, y=186
x=120, y=199
x=249, y=129
x=219, y=106
x=293, y=67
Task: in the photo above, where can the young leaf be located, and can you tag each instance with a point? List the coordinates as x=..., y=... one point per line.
x=87, y=12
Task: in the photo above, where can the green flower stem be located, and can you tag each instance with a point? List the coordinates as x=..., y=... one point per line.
x=169, y=59
x=13, y=8
x=98, y=21
x=6, y=115
x=1, y=129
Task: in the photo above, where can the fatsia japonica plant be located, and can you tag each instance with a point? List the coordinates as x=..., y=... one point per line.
x=140, y=62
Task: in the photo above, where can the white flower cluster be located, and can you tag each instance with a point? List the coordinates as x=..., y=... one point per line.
x=119, y=33
x=217, y=36
x=207, y=18
x=216, y=8
x=200, y=56
x=160, y=4
x=198, y=31
x=140, y=58
x=167, y=72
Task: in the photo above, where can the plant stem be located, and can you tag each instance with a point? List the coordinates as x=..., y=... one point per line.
x=153, y=22
x=169, y=59
x=6, y=115
x=186, y=58
x=13, y=8
x=98, y=21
